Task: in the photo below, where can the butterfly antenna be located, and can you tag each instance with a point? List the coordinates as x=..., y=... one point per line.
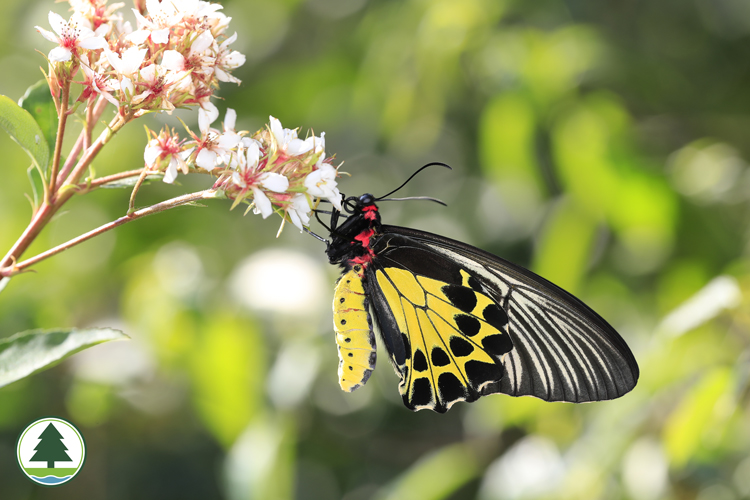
x=412, y=176
x=428, y=198
x=317, y=237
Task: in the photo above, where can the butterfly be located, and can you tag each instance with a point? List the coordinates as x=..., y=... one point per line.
x=459, y=323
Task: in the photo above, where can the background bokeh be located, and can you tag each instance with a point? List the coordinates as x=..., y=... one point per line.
x=602, y=144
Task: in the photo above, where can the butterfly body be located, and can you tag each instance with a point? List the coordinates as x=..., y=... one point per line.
x=459, y=323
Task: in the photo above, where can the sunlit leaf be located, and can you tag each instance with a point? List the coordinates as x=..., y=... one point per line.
x=227, y=367
x=29, y=352
x=38, y=101
x=685, y=429
x=23, y=129
x=507, y=139
x=37, y=185
x=565, y=246
x=129, y=182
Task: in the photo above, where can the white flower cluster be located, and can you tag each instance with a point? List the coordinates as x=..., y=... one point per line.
x=176, y=57
x=272, y=170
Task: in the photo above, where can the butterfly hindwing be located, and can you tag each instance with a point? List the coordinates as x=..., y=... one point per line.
x=561, y=350
x=451, y=335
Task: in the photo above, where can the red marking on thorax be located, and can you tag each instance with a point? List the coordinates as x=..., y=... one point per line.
x=364, y=237
x=369, y=212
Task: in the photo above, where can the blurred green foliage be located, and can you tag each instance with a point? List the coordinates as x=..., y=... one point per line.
x=602, y=144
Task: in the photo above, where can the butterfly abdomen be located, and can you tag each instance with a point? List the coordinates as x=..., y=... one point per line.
x=353, y=328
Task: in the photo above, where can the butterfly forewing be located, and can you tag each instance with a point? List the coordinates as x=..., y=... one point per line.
x=543, y=341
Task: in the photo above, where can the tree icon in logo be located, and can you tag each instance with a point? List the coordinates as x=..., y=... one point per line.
x=50, y=449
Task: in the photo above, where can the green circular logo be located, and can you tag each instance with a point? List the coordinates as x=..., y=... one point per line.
x=50, y=451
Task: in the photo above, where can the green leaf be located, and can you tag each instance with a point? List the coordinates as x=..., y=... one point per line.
x=686, y=428
x=37, y=185
x=23, y=129
x=129, y=182
x=38, y=101
x=29, y=352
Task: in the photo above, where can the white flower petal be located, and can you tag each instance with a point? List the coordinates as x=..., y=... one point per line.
x=102, y=30
x=150, y=154
x=233, y=60
x=160, y=36
x=132, y=59
x=229, y=40
x=274, y=182
x=92, y=43
x=222, y=76
x=228, y=140
x=262, y=203
x=253, y=153
x=206, y=159
x=295, y=219
x=277, y=129
x=230, y=118
x=207, y=114
x=138, y=37
x=203, y=42
x=48, y=34
x=173, y=60
x=148, y=73
x=298, y=147
x=59, y=54
x=127, y=87
x=238, y=180
x=170, y=174
x=335, y=199
x=57, y=22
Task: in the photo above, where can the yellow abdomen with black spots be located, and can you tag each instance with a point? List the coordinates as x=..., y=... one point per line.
x=354, y=335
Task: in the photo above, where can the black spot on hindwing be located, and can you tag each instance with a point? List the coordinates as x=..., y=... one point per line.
x=460, y=347
x=497, y=344
x=420, y=361
x=439, y=357
x=469, y=325
x=450, y=388
x=422, y=392
x=480, y=373
x=495, y=316
x=460, y=296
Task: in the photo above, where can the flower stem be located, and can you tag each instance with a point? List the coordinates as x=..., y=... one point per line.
x=84, y=139
x=101, y=181
x=88, y=156
x=62, y=121
x=11, y=270
x=38, y=221
x=141, y=178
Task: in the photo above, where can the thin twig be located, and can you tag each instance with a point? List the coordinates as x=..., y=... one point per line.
x=100, y=181
x=99, y=107
x=141, y=178
x=138, y=214
x=62, y=121
x=75, y=176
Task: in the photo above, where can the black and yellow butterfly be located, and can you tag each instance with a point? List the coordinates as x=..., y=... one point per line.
x=460, y=323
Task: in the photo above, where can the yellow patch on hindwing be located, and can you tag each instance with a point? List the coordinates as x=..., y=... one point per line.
x=354, y=335
x=455, y=338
